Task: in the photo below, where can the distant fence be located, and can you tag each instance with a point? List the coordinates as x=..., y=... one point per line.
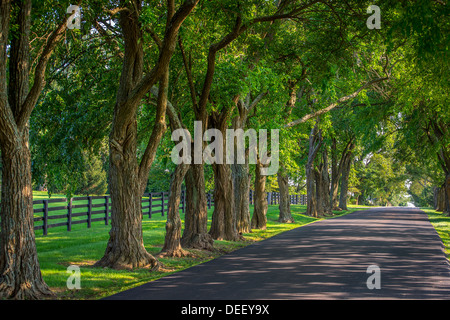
x=52, y=213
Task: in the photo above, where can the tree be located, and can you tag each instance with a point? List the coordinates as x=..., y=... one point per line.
x=94, y=179
x=128, y=178
x=20, y=275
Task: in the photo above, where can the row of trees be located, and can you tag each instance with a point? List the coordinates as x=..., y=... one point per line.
x=348, y=101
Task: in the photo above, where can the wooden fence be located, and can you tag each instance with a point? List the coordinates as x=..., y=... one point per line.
x=51, y=213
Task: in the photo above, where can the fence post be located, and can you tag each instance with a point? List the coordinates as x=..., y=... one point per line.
x=69, y=215
x=89, y=213
x=183, y=200
x=162, y=204
x=45, y=227
x=150, y=205
x=106, y=210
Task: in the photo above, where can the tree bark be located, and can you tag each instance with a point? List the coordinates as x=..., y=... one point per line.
x=436, y=198
x=285, y=204
x=20, y=274
x=172, y=241
x=125, y=248
x=195, y=234
x=335, y=175
x=447, y=195
x=241, y=186
x=240, y=172
x=440, y=205
x=325, y=185
x=336, y=172
x=315, y=141
x=223, y=223
x=344, y=182
x=259, y=218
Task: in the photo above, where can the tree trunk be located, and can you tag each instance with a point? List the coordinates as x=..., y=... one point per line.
x=325, y=185
x=241, y=177
x=172, y=241
x=447, y=195
x=335, y=175
x=319, y=196
x=259, y=218
x=440, y=205
x=344, y=183
x=195, y=234
x=336, y=171
x=315, y=141
x=20, y=274
x=223, y=223
x=125, y=248
x=285, y=204
x=436, y=198
x=311, y=203
x=241, y=186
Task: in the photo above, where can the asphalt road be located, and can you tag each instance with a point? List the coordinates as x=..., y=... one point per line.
x=324, y=260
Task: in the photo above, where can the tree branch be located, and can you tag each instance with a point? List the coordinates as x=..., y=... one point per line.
x=333, y=105
x=257, y=100
x=39, y=75
x=167, y=49
x=188, y=75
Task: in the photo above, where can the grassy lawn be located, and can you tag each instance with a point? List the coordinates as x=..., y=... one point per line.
x=441, y=223
x=83, y=247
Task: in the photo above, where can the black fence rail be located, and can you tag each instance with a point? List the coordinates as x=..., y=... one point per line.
x=52, y=213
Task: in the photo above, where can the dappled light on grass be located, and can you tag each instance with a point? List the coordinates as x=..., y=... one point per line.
x=441, y=223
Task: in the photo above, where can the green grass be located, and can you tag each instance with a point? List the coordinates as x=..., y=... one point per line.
x=441, y=223
x=83, y=247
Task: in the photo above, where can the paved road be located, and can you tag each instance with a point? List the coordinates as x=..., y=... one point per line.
x=324, y=260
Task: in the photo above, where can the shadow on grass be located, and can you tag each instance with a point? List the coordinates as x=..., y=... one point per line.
x=441, y=223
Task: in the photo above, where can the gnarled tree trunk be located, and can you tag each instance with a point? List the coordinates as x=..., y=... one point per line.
x=259, y=218
x=20, y=275
x=223, y=223
x=344, y=181
x=285, y=203
x=324, y=185
x=241, y=186
x=195, y=234
x=172, y=242
x=315, y=141
x=447, y=195
x=125, y=248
